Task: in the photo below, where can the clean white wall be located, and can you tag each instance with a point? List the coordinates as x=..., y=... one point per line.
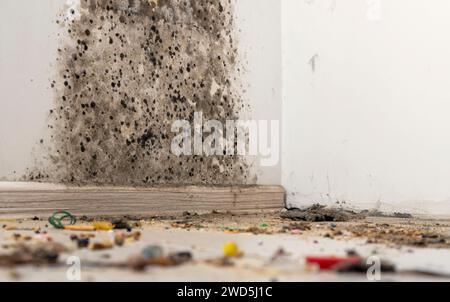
x=28, y=44
x=370, y=125
x=259, y=23
x=27, y=49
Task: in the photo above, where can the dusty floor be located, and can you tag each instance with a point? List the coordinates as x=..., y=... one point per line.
x=274, y=249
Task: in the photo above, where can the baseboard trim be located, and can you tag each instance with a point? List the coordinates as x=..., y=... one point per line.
x=36, y=199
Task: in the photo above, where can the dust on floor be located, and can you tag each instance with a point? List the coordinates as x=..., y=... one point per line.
x=261, y=247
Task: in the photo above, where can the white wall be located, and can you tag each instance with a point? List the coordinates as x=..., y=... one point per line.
x=259, y=23
x=28, y=43
x=27, y=49
x=370, y=126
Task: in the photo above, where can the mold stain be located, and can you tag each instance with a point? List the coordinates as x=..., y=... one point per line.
x=127, y=69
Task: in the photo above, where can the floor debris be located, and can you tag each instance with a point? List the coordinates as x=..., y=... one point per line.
x=122, y=224
x=80, y=228
x=152, y=251
x=122, y=243
x=320, y=213
x=376, y=213
x=405, y=235
x=36, y=254
x=83, y=243
x=99, y=246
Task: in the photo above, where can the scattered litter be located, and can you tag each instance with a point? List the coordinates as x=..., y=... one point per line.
x=185, y=224
x=133, y=236
x=220, y=262
x=95, y=226
x=189, y=214
x=83, y=243
x=296, y=232
x=98, y=246
x=87, y=235
x=400, y=236
x=152, y=251
x=330, y=262
x=153, y=255
x=102, y=225
x=256, y=230
x=16, y=228
x=36, y=254
x=121, y=224
x=8, y=219
x=376, y=213
x=80, y=228
x=181, y=257
x=141, y=262
x=228, y=231
x=230, y=249
x=296, y=227
x=43, y=238
x=119, y=239
x=352, y=253
x=252, y=230
x=41, y=249
x=21, y=238
x=280, y=253
x=320, y=213
x=58, y=218
x=137, y=263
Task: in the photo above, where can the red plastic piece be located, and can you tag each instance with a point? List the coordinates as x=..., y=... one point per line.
x=329, y=262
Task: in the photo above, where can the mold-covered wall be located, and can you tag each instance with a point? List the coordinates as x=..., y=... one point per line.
x=119, y=73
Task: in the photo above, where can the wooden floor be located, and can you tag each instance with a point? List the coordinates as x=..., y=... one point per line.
x=34, y=199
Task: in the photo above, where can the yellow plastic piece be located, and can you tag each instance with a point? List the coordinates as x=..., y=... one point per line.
x=80, y=228
x=231, y=250
x=103, y=226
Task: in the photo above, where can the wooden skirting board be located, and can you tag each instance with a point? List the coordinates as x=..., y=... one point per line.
x=35, y=199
